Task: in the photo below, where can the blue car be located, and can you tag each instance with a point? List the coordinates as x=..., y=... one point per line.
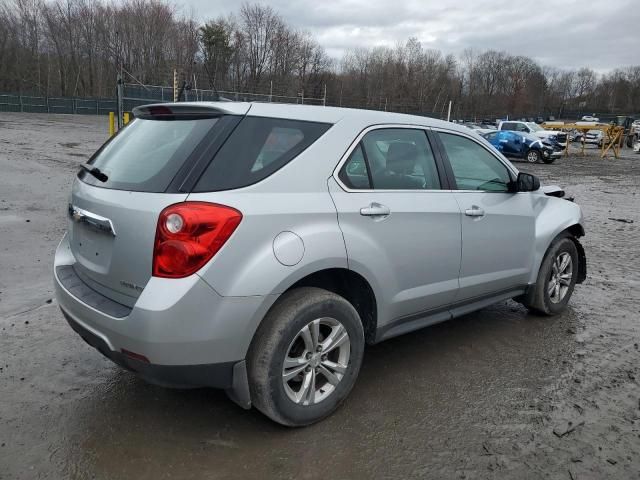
x=523, y=145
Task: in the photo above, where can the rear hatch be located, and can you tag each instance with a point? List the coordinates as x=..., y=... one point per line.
x=112, y=222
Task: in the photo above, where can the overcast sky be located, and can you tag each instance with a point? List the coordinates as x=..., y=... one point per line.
x=600, y=34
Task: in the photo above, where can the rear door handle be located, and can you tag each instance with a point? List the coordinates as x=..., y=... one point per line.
x=474, y=212
x=375, y=210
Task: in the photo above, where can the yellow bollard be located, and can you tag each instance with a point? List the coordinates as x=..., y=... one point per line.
x=112, y=124
x=125, y=118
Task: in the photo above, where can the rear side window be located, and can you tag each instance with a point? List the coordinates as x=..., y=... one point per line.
x=147, y=154
x=256, y=149
x=400, y=159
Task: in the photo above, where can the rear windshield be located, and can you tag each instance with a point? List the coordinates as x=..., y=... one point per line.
x=147, y=154
x=256, y=149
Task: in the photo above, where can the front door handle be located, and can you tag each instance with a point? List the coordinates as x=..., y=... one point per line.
x=474, y=211
x=375, y=210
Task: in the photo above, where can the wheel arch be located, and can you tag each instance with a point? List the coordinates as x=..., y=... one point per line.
x=353, y=287
x=577, y=230
x=572, y=230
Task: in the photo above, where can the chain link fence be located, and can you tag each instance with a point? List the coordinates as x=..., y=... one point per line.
x=73, y=105
x=141, y=94
x=133, y=95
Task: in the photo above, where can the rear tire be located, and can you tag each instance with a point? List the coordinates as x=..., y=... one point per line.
x=533, y=156
x=557, y=278
x=289, y=332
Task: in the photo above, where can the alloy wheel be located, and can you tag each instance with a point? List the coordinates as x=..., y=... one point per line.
x=561, y=277
x=316, y=361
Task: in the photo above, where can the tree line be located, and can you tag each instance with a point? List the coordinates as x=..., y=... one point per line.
x=76, y=48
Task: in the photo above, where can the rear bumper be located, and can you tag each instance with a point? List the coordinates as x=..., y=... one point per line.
x=218, y=375
x=190, y=335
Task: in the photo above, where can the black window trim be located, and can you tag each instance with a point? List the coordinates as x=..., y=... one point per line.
x=366, y=163
x=513, y=173
x=445, y=184
x=191, y=171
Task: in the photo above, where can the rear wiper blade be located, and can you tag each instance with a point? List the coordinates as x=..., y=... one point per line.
x=95, y=171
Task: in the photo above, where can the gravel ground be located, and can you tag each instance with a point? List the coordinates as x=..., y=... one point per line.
x=496, y=394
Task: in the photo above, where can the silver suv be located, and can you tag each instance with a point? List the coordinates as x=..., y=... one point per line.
x=258, y=247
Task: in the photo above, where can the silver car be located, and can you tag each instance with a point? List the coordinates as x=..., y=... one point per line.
x=258, y=248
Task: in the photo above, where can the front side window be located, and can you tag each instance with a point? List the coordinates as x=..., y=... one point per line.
x=474, y=167
x=400, y=159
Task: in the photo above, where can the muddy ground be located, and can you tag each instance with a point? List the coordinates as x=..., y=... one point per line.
x=496, y=394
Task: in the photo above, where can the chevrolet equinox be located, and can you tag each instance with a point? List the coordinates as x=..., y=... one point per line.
x=258, y=248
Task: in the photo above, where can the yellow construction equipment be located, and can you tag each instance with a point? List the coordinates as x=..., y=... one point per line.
x=613, y=135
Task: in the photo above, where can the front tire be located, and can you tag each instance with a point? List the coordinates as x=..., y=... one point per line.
x=533, y=156
x=557, y=278
x=305, y=356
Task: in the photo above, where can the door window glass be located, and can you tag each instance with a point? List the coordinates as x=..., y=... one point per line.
x=474, y=168
x=400, y=159
x=354, y=173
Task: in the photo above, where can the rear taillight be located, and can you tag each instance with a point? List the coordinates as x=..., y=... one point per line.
x=189, y=234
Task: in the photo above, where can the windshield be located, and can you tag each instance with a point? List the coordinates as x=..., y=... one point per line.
x=534, y=127
x=147, y=154
x=529, y=137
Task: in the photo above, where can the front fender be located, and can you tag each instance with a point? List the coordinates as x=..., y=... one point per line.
x=553, y=216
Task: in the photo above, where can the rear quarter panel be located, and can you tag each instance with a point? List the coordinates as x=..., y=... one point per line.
x=293, y=199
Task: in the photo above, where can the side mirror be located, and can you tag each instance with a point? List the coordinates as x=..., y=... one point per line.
x=526, y=183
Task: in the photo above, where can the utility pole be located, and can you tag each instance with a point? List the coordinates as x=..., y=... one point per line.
x=449, y=112
x=324, y=99
x=270, y=90
x=175, y=85
x=120, y=85
x=195, y=86
x=119, y=94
